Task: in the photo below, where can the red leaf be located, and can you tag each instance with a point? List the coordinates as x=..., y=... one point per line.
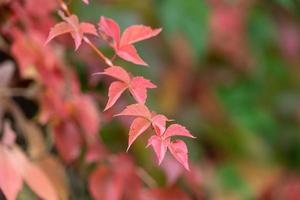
x=104, y=186
x=111, y=29
x=179, y=150
x=117, y=73
x=87, y=116
x=138, y=33
x=72, y=25
x=138, y=126
x=115, y=91
x=136, y=110
x=159, y=146
x=130, y=54
x=67, y=141
x=177, y=130
x=159, y=124
x=10, y=179
x=123, y=47
x=138, y=88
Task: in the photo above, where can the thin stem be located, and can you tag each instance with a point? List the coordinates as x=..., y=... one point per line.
x=64, y=7
x=146, y=178
x=113, y=57
x=97, y=51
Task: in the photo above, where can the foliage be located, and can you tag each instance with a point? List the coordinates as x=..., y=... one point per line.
x=225, y=69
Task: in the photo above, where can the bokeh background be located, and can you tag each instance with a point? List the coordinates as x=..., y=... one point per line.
x=229, y=71
x=226, y=69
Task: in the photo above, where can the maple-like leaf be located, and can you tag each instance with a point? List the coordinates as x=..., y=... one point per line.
x=143, y=120
x=72, y=25
x=162, y=140
x=137, y=86
x=123, y=45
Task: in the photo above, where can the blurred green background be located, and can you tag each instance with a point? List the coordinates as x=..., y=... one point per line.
x=229, y=71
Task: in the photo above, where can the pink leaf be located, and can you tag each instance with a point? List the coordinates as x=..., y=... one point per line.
x=159, y=146
x=114, y=92
x=35, y=178
x=111, y=29
x=138, y=126
x=103, y=185
x=177, y=130
x=87, y=116
x=7, y=70
x=72, y=25
x=86, y=1
x=136, y=110
x=59, y=29
x=179, y=150
x=39, y=182
x=138, y=88
x=137, y=33
x=159, y=124
x=67, y=141
x=129, y=53
x=10, y=179
x=117, y=73
x=9, y=136
x=88, y=28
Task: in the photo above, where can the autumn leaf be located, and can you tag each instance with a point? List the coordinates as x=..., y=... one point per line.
x=138, y=126
x=177, y=130
x=137, y=86
x=159, y=146
x=67, y=140
x=180, y=152
x=15, y=168
x=72, y=25
x=143, y=120
x=123, y=45
x=136, y=110
x=10, y=181
x=162, y=141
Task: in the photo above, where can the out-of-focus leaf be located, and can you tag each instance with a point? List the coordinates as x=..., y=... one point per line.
x=57, y=176
x=6, y=72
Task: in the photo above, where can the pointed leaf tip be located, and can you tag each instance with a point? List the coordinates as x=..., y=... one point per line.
x=180, y=152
